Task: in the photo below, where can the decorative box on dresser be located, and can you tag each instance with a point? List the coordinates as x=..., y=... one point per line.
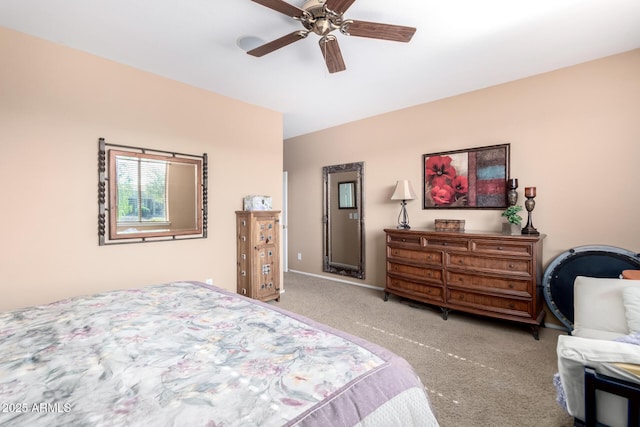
x=258, y=257
x=488, y=274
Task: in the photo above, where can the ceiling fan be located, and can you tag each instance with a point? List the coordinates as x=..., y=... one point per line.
x=323, y=17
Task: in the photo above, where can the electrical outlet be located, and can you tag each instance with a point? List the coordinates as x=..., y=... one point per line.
x=209, y=281
x=299, y=256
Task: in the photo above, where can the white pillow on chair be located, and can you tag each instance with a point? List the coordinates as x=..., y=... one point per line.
x=598, y=307
x=631, y=300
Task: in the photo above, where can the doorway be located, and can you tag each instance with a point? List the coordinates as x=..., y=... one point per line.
x=285, y=222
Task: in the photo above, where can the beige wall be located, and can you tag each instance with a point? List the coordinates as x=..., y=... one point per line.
x=55, y=103
x=574, y=134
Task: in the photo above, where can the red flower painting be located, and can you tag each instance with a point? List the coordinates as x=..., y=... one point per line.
x=460, y=184
x=473, y=178
x=444, y=186
x=440, y=167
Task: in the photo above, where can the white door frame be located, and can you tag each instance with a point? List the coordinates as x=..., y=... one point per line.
x=285, y=223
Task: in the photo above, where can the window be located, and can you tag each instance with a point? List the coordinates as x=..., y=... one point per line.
x=142, y=192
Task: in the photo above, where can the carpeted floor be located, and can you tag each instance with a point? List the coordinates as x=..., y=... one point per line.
x=479, y=372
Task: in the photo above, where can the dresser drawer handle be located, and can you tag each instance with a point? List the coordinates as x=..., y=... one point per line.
x=512, y=266
x=404, y=240
x=512, y=306
x=445, y=244
x=499, y=248
x=461, y=297
x=429, y=257
x=460, y=261
x=511, y=286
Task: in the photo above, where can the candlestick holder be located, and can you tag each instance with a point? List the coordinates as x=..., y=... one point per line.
x=512, y=194
x=529, y=204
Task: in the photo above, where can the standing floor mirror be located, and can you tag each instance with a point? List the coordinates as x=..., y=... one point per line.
x=343, y=220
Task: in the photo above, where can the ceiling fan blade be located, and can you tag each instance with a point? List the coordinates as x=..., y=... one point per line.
x=282, y=7
x=338, y=6
x=278, y=43
x=376, y=30
x=332, y=55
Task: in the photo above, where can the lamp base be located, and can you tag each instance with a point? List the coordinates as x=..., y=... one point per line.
x=403, y=218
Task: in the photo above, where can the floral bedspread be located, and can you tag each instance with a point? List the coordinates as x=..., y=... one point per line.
x=185, y=354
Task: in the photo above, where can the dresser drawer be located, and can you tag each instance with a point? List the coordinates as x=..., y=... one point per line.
x=507, y=306
x=521, y=288
x=504, y=265
x=506, y=248
x=421, y=290
x=429, y=257
x=459, y=245
x=431, y=274
x=404, y=239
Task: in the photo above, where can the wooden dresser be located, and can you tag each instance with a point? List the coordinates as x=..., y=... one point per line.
x=258, y=257
x=488, y=274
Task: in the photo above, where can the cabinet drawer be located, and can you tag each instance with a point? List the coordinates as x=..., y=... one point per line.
x=417, y=289
x=431, y=274
x=501, y=247
x=521, y=288
x=506, y=265
x=509, y=306
x=459, y=245
x=428, y=257
x=404, y=239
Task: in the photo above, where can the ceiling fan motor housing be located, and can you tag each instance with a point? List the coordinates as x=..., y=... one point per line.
x=320, y=20
x=314, y=7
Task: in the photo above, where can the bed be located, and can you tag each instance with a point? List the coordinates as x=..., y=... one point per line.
x=187, y=353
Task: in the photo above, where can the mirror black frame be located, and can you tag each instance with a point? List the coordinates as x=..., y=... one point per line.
x=107, y=191
x=327, y=265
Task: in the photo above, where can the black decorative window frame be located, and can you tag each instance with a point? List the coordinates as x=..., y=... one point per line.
x=104, y=190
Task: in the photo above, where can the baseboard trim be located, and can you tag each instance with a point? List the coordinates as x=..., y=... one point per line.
x=554, y=326
x=333, y=279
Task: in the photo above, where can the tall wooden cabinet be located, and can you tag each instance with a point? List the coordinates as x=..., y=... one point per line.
x=489, y=274
x=258, y=254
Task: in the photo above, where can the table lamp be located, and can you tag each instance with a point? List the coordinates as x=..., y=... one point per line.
x=403, y=192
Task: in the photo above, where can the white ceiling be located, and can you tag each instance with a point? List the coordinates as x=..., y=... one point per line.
x=459, y=46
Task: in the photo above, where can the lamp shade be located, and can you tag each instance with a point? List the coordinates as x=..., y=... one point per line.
x=403, y=191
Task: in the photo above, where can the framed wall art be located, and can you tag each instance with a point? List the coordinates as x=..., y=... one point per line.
x=474, y=178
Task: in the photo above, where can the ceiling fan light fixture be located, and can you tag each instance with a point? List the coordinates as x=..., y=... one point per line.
x=323, y=26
